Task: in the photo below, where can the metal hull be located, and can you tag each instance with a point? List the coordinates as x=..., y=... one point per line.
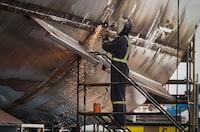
x=38, y=73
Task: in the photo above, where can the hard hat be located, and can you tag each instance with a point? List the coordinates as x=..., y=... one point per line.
x=124, y=23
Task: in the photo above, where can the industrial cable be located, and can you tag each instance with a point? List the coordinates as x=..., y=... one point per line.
x=177, y=62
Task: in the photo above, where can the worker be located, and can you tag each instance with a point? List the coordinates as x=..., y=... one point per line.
x=120, y=49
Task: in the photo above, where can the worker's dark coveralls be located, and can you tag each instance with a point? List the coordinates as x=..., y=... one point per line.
x=119, y=48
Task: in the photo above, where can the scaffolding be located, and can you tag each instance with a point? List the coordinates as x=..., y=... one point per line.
x=110, y=124
x=192, y=92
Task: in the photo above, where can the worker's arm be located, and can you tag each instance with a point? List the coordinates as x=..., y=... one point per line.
x=110, y=46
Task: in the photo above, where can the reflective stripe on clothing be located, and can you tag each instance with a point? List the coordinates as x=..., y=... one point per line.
x=119, y=102
x=125, y=59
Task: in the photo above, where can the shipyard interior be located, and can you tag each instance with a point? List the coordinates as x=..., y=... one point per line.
x=55, y=76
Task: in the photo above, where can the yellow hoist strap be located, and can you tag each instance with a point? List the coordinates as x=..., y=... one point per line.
x=125, y=59
x=119, y=102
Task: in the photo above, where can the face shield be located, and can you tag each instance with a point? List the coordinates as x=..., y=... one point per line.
x=122, y=23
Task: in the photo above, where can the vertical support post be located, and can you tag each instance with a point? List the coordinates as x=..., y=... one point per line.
x=84, y=98
x=188, y=85
x=84, y=101
x=78, y=85
x=195, y=96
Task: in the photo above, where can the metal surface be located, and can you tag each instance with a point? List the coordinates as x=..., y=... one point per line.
x=7, y=120
x=38, y=76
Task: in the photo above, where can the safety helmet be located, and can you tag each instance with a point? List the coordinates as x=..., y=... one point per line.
x=124, y=23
